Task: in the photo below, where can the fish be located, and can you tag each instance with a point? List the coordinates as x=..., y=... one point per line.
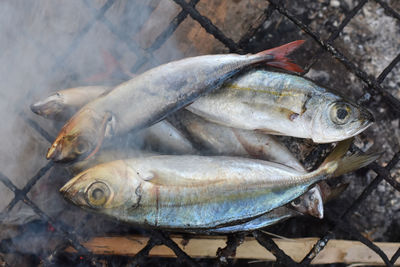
x=62, y=104
x=283, y=104
x=222, y=140
x=195, y=192
x=151, y=96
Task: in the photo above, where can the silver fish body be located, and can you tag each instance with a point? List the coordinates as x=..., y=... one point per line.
x=148, y=98
x=283, y=104
x=275, y=216
x=194, y=192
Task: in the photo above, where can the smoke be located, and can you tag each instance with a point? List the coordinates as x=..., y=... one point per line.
x=51, y=45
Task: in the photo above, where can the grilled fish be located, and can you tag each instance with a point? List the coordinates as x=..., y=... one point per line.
x=192, y=192
x=64, y=103
x=151, y=96
x=283, y=104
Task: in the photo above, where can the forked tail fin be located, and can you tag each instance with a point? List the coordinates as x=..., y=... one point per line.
x=276, y=57
x=337, y=163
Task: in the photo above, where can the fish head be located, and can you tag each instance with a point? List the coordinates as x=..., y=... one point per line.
x=310, y=203
x=80, y=137
x=104, y=188
x=50, y=107
x=336, y=119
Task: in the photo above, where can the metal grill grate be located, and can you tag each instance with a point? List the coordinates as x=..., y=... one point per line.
x=372, y=85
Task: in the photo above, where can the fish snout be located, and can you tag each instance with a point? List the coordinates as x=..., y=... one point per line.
x=69, y=192
x=53, y=152
x=367, y=117
x=37, y=108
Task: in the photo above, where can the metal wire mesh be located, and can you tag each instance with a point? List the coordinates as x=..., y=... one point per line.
x=373, y=86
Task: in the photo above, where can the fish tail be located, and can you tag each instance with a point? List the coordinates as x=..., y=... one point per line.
x=276, y=57
x=354, y=162
x=337, y=163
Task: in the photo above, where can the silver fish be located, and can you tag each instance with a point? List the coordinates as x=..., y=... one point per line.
x=151, y=96
x=64, y=103
x=191, y=192
x=283, y=104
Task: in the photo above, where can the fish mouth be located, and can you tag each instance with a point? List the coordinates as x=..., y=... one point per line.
x=46, y=109
x=36, y=108
x=367, y=120
x=318, y=211
x=54, y=152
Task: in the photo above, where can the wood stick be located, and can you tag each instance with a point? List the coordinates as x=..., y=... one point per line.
x=337, y=251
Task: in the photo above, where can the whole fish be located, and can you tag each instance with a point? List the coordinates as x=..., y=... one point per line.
x=64, y=103
x=283, y=104
x=151, y=96
x=162, y=191
x=222, y=140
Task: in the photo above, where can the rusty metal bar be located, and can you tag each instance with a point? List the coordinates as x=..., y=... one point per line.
x=388, y=69
x=181, y=255
x=74, y=44
x=67, y=235
x=271, y=246
x=208, y=26
x=348, y=228
x=374, y=86
x=395, y=257
x=162, y=38
x=351, y=14
x=22, y=193
x=388, y=9
x=353, y=207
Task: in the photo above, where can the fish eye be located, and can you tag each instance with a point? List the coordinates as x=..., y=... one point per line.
x=340, y=113
x=97, y=194
x=81, y=147
x=296, y=202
